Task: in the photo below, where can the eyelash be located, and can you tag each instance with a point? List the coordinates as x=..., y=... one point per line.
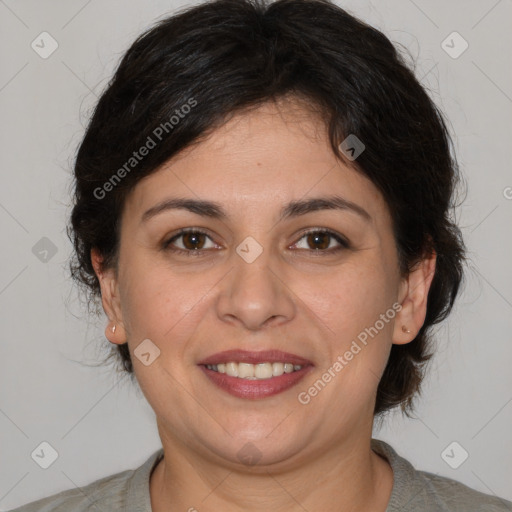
x=200, y=252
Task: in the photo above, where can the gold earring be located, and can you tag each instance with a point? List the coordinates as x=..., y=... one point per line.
x=404, y=329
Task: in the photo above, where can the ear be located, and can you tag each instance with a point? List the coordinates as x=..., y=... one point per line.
x=413, y=296
x=109, y=299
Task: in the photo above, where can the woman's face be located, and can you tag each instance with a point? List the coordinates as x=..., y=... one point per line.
x=261, y=281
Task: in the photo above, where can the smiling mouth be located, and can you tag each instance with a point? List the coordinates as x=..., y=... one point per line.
x=255, y=381
x=260, y=371
x=254, y=375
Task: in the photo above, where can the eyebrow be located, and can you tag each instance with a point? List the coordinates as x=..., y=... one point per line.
x=292, y=209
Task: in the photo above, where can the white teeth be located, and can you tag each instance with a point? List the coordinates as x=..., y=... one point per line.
x=254, y=371
x=263, y=371
x=277, y=369
x=232, y=369
x=245, y=370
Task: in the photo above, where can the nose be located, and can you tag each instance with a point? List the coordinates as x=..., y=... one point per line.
x=256, y=293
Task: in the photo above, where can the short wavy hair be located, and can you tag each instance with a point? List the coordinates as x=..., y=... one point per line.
x=234, y=55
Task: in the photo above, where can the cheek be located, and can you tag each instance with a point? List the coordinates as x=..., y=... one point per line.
x=350, y=298
x=163, y=305
x=354, y=308
x=349, y=302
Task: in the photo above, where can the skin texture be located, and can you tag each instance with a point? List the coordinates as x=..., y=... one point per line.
x=315, y=456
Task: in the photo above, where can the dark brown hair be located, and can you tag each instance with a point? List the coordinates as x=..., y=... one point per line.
x=221, y=57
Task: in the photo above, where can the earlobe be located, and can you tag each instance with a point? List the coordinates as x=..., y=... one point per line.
x=414, y=290
x=115, y=334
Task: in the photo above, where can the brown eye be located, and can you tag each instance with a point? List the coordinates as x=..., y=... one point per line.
x=321, y=240
x=193, y=242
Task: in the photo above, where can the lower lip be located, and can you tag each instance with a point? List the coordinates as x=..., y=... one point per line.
x=256, y=389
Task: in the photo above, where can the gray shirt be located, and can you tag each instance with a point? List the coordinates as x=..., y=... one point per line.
x=414, y=491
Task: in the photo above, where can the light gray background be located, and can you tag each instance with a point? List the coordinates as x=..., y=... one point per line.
x=99, y=425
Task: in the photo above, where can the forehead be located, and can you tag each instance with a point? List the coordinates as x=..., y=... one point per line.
x=257, y=161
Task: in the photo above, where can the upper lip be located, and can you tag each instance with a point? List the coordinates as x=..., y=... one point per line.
x=264, y=356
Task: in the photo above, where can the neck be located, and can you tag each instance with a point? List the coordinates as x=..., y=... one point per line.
x=351, y=478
